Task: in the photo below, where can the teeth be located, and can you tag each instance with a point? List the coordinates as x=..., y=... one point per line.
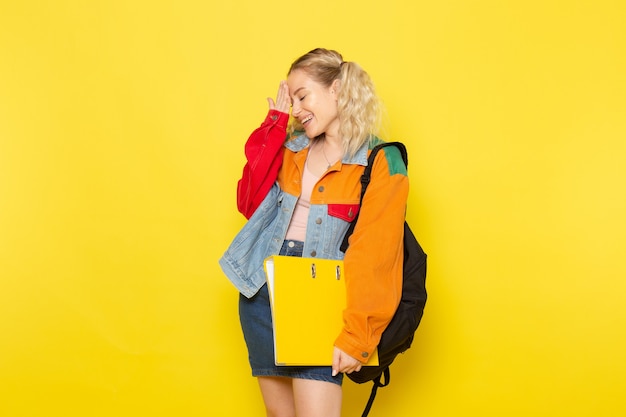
x=307, y=119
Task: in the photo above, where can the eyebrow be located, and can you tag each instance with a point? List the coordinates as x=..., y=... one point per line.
x=296, y=92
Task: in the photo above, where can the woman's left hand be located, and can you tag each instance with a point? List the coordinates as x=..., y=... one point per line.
x=342, y=362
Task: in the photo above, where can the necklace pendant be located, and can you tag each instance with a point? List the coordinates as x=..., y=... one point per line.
x=325, y=157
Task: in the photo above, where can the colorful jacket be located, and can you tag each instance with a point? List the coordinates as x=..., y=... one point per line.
x=267, y=195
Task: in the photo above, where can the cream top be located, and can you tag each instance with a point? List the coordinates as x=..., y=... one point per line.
x=297, y=227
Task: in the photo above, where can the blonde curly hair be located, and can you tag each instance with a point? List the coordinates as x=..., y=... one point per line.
x=358, y=105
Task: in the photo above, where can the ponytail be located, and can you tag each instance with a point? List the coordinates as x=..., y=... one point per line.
x=358, y=106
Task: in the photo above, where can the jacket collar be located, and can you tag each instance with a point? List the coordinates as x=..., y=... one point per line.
x=301, y=141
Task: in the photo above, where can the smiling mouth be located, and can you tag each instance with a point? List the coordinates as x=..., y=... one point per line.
x=306, y=120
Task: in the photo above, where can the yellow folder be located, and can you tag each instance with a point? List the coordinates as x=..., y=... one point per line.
x=307, y=297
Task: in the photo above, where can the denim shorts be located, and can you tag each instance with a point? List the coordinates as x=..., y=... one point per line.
x=256, y=322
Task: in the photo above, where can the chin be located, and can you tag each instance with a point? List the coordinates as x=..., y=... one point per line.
x=312, y=134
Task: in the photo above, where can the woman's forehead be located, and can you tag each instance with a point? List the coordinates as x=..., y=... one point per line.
x=300, y=79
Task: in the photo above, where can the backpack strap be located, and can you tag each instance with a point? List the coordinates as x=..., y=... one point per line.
x=377, y=384
x=365, y=180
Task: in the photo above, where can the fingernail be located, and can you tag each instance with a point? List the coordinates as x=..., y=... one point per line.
x=334, y=373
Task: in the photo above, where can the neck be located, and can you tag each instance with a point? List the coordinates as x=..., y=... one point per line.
x=333, y=142
x=331, y=149
x=332, y=135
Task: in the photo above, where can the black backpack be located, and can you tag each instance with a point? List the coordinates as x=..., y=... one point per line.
x=398, y=335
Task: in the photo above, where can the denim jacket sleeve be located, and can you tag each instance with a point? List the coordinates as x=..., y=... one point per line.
x=261, y=236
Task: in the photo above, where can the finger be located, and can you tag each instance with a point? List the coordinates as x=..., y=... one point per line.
x=286, y=91
x=282, y=98
x=281, y=90
x=271, y=103
x=348, y=363
x=336, y=361
x=353, y=367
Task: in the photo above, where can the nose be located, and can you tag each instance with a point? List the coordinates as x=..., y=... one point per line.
x=295, y=108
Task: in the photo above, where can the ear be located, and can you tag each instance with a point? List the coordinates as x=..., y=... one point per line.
x=335, y=86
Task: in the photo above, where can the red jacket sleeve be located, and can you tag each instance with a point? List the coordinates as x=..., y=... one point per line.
x=264, y=154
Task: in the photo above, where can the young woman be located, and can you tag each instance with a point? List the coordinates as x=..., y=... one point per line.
x=300, y=190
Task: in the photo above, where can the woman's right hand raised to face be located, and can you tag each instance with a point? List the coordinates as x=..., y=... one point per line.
x=283, y=101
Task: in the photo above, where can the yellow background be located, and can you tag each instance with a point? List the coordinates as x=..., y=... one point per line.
x=122, y=126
